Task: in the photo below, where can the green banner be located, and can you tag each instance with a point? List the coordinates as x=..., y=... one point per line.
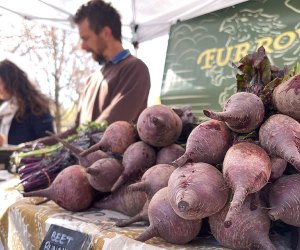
x=198, y=69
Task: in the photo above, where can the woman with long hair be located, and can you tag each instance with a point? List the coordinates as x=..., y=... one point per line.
x=24, y=112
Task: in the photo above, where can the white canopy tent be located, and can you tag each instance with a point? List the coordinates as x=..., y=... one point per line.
x=142, y=19
x=145, y=22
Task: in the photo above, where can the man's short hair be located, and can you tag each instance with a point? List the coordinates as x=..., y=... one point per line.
x=99, y=15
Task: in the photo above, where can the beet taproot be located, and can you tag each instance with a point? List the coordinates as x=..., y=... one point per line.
x=197, y=190
x=168, y=154
x=137, y=158
x=208, y=142
x=159, y=125
x=284, y=200
x=154, y=179
x=250, y=230
x=279, y=135
x=103, y=174
x=246, y=169
x=278, y=166
x=70, y=189
x=165, y=223
x=285, y=97
x=116, y=138
x=243, y=112
x=123, y=201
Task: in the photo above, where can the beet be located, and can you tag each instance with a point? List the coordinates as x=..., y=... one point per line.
x=285, y=97
x=243, y=112
x=103, y=174
x=279, y=135
x=197, y=190
x=284, y=200
x=168, y=154
x=165, y=223
x=278, y=167
x=159, y=126
x=123, y=201
x=208, y=143
x=154, y=179
x=116, y=138
x=136, y=159
x=70, y=189
x=250, y=230
x=246, y=169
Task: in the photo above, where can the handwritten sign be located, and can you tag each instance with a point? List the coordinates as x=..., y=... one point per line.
x=60, y=238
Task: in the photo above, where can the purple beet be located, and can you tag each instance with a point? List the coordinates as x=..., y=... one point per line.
x=208, y=143
x=165, y=223
x=70, y=189
x=137, y=158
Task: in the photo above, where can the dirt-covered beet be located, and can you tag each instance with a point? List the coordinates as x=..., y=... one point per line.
x=243, y=112
x=70, y=189
x=168, y=154
x=137, y=158
x=103, y=174
x=123, y=201
x=279, y=135
x=250, y=230
x=116, y=138
x=197, y=190
x=284, y=200
x=208, y=142
x=246, y=169
x=165, y=223
x=159, y=126
x=286, y=99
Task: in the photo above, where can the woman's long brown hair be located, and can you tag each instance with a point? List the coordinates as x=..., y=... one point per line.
x=27, y=95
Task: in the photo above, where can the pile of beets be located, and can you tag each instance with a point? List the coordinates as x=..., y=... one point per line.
x=238, y=169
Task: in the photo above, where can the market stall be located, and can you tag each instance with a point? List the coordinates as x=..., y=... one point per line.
x=24, y=225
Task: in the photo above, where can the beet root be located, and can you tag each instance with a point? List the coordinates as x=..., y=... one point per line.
x=138, y=157
x=243, y=112
x=116, y=138
x=141, y=216
x=70, y=189
x=250, y=230
x=103, y=173
x=279, y=135
x=159, y=126
x=168, y=154
x=165, y=223
x=285, y=97
x=278, y=167
x=208, y=143
x=246, y=169
x=197, y=190
x=123, y=201
x=154, y=179
x=284, y=199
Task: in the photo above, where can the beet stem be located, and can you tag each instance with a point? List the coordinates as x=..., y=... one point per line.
x=149, y=233
x=140, y=186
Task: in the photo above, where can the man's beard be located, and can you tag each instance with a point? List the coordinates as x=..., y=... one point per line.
x=100, y=59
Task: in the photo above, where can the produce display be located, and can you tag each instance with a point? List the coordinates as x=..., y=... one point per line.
x=237, y=170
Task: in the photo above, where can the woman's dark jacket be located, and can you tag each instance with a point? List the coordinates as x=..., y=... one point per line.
x=30, y=128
